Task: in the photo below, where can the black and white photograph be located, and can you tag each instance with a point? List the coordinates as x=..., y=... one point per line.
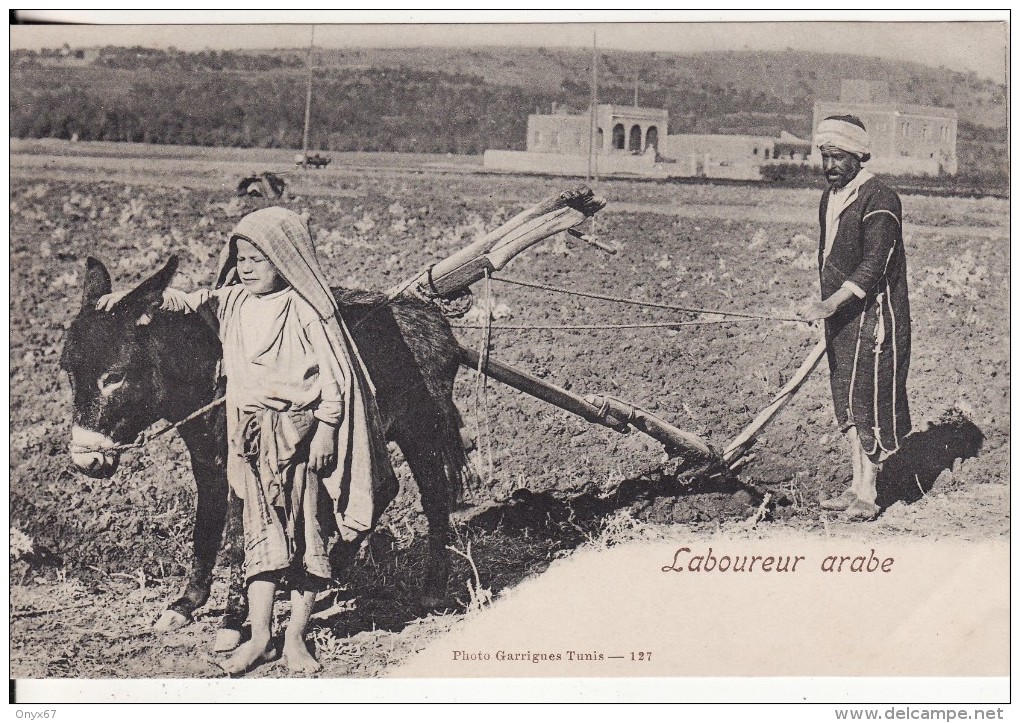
x=569, y=346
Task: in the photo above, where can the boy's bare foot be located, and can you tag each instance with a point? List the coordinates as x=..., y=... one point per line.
x=298, y=659
x=248, y=656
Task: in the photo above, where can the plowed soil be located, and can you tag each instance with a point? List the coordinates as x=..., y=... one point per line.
x=94, y=561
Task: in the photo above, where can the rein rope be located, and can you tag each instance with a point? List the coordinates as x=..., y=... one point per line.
x=596, y=327
x=638, y=302
x=143, y=438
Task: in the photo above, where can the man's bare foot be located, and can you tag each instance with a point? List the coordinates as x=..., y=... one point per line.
x=840, y=502
x=298, y=659
x=861, y=511
x=248, y=656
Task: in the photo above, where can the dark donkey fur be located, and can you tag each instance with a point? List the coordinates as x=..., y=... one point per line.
x=164, y=366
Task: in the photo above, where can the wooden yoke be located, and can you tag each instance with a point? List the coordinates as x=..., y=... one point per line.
x=455, y=274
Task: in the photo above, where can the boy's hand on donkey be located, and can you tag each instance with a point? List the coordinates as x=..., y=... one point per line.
x=171, y=300
x=322, y=450
x=108, y=301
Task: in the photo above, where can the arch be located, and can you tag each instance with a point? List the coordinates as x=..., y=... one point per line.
x=652, y=138
x=619, y=137
x=634, y=138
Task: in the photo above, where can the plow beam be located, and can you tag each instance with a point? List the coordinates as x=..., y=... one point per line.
x=607, y=411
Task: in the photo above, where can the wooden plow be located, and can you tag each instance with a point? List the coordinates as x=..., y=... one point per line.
x=447, y=283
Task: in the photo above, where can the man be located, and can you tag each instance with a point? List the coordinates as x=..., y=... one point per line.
x=863, y=274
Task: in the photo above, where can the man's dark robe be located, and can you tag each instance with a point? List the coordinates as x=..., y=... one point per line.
x=869, y=339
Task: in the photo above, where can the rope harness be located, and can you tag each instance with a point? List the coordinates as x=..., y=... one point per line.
x=595, y=327
x=638, y=302
x=143, y=438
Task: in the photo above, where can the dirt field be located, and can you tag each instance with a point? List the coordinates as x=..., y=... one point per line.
x=93, y=561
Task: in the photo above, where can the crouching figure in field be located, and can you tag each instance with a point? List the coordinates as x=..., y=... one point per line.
x=303, y=442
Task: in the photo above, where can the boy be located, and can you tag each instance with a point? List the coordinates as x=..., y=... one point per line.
x=305, y=437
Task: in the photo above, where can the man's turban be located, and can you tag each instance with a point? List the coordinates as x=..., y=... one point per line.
x=844, y=135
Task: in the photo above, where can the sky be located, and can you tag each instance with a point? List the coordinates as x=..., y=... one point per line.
x=963, y=41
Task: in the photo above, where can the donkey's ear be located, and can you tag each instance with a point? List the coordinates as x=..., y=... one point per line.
x=149, y=294
x=97, y=282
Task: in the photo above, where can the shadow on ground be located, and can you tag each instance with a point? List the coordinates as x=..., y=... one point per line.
x=911, y=472
x=513, y=539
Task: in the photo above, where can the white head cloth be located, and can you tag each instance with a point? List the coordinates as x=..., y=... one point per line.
x=844, y=136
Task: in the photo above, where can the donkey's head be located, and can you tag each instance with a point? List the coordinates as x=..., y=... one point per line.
x=109, y=357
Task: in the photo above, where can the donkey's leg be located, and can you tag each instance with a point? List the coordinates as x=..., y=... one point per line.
x=344, y=552
x=229, y=635
x=208, y=466
x=210, y=517
x=430, y=473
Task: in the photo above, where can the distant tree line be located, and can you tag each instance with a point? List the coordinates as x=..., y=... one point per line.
x=352, y=110
x=232, y=98
x=967, y=131
x=365, y=110
x=142, y=58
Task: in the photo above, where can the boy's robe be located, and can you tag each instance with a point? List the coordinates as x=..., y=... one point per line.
x=295, y=322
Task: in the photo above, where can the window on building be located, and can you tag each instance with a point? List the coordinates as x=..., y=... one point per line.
x=555, y=139
x=766, y=154
x=538, y=138
x=652, y=138
x=754, y=152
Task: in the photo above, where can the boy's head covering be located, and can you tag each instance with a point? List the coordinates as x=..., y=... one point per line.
x=845, y=132
x=283, y=237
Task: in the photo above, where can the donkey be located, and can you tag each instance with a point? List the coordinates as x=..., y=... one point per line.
x=137, y=364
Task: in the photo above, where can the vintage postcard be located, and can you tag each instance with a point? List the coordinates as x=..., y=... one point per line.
x=538, y=357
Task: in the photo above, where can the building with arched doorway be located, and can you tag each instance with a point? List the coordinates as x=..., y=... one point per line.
x=619, y=130
x=632, y=140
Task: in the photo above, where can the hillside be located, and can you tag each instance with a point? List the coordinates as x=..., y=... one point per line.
x=788, y=80
x=459, y=100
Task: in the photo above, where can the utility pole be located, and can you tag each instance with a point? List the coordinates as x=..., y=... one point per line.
x=308, y=98
x=593, y=124
x=593, y=166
